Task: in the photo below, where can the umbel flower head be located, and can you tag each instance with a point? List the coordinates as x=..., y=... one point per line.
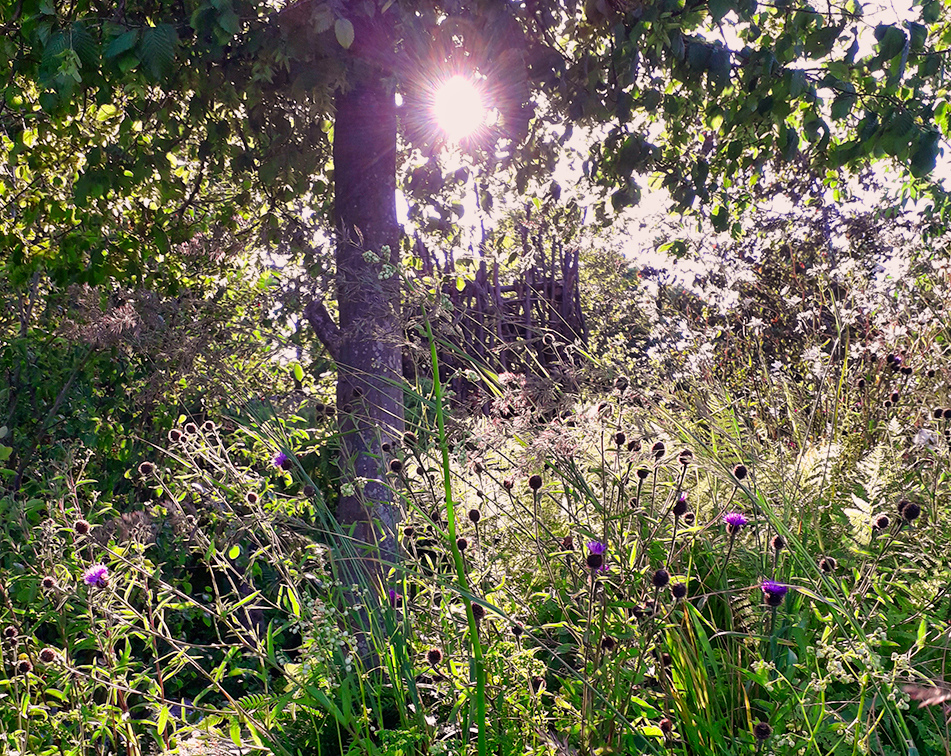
x=96, y=575
x=734, y=521
x=774, y=592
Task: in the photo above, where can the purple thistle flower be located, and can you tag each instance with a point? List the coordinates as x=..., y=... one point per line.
x=774, y=592
x=596, y=547
x=96, y=575
x=394, y=597
x=734, y=521
x=281, y=460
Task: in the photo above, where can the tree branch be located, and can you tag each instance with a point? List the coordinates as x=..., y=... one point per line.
x=324, y=326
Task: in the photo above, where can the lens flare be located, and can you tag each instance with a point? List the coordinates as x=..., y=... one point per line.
x=458, y=108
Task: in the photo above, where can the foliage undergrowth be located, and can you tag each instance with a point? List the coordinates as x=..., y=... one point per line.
x=748, y=563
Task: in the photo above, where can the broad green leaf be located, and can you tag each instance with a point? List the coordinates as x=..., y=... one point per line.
x=343, y=29
x=122, y=43
x=157, y=49
x=230, y=22
x=234, y=552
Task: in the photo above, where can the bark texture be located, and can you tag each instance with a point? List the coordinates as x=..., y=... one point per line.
x=368, y=343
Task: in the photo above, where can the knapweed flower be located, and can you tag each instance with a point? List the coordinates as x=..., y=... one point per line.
x=774, y=592
x=734, y=521
x=395, y=598
x=281, y=461
x=595, y=558
x=96, y=575
x=680, y=506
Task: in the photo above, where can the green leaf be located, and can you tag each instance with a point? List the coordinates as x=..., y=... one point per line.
x=719, y=8
x=162, y=719
x=157, y=49
x=235, y=731
x=343, y=29
x=842, y=105
x=230, y=22
x=122, y=43
x=5, y=452
x=925, y=155
x=234, y=552
x=892, y=42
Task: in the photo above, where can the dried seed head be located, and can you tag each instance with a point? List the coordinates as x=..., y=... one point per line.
x=620, y=438
x=9, y=632
x=24, y=666
x=175, y=435
x=595, y=561
x=535, y=482
x=910, y=512
x=81, y=527
x=517, y=630
x=690, y=518
x=643, y=473
x=478, y=611
x=191, y=429
x=146, y=469
x=658, y=450
x=666, y=726
x=251, y=497
x=685, y=457
x=308, y=490
x=434, y=656
x=680, y=506
x=608, y=643
x=882, y=522
x=660, y=578
x=475, y=515
x=48, y=583
x=508, y=484
x=385, y=447
x=678, y=590
x=409, y=438
x=462, y=544
x=634, y=445
x=47, y=655
x=762, y=731
x=396, y=466
x=828, y=564
x=740, y=472
x=777, y=543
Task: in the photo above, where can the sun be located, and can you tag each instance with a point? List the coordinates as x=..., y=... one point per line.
x=458, y=108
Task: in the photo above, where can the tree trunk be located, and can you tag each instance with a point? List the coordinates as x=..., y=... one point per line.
x=368, y=346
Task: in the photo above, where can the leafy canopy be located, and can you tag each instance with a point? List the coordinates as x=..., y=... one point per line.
x=126, y=128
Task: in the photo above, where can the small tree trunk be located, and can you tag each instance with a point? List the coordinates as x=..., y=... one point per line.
x=369, y=366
